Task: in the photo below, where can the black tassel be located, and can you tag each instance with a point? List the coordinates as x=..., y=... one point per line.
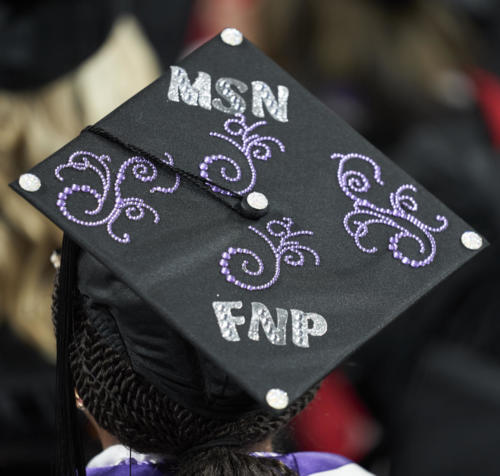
x=69, y=457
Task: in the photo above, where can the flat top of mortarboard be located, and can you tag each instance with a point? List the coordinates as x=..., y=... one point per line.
x=280, y=242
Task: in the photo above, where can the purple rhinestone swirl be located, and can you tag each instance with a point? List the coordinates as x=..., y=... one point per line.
x=253, y=146
x=134, y=207
x=399, y=216
x=277, y=237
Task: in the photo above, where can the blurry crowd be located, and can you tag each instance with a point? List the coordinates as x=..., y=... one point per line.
x=419, y=78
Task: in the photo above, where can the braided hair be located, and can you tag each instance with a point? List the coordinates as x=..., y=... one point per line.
x=145, y=419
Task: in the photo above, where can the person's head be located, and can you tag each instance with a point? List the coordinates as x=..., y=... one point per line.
x=143, y=417
x=200, y=301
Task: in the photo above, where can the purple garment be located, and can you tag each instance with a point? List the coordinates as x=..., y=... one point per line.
x=304, y=463
x=308, y=462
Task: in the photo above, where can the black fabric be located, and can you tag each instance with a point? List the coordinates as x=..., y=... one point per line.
x=205, y=184
x=173, y=265
x=173, y=364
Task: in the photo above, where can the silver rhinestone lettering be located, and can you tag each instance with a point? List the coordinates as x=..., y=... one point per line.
x=228, y=322
x=276, y=334
x=300, y=327
x=195, y=94
x=263, y=96
x=237, y=104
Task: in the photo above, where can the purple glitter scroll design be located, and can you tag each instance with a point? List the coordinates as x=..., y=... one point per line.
x=135, y=208
x=252, y=146
x=291, y=251
x=365, y=213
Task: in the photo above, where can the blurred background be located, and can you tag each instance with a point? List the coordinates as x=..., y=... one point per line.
x=418, y=78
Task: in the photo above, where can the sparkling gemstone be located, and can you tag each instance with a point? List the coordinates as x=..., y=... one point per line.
x=29, y=182
x=257, y=200
x=231, y=36
x=277, y=399
x=471, y=240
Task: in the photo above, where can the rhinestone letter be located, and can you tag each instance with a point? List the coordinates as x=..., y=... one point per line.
x=237, y=104
x=300, y=327
x=228, y=322
x=276, y=334
x=263, y=96
x=196, y=94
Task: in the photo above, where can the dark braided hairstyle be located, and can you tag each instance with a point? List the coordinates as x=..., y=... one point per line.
x=148, y=421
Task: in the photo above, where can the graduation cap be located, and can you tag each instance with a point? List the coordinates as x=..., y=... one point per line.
x=225, y=204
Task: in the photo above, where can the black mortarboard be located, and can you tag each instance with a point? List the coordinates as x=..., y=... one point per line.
x=252, y=221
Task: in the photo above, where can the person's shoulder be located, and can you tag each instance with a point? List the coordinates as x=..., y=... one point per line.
x=312, y=463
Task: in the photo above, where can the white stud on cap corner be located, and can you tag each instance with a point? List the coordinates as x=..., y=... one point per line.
x=277, y=398
x=471, y=240
x=231, y=36
x=29, y=182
